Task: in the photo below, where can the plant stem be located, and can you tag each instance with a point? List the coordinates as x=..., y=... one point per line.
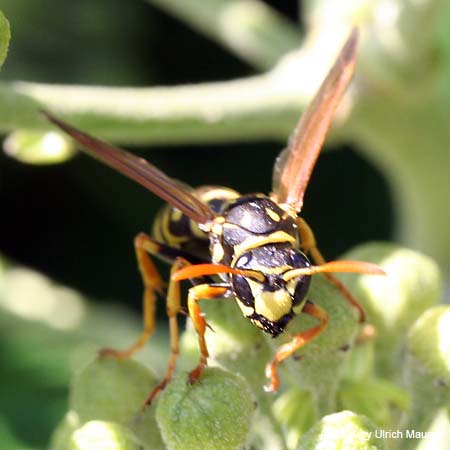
x=248, y=109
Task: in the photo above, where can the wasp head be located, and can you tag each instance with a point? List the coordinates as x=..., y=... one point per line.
x=266, y=298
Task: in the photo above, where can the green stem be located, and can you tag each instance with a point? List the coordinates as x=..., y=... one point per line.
x=249, y=28
x=261, y=107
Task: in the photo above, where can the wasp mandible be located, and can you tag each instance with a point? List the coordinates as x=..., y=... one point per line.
x=252, y=248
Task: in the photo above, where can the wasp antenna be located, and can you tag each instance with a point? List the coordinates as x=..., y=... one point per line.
x=360, y=267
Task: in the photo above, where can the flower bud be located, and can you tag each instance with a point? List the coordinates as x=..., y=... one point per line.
x=214, y=413
x=111, y=389
x=99, y=435
x=344, y=431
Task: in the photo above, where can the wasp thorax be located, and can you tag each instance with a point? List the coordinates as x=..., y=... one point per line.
x=268, y=300
x=258, y=214
x=248, y=222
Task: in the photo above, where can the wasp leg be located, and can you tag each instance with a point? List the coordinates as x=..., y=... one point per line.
x=144, y=247
x=153, y=284
x=297, y=341
x=308, y=243
x=202, y=292
x=205, y=291
x=173, y=306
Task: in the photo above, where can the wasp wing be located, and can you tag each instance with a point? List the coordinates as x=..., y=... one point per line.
x=294, y=165
x=141, y=171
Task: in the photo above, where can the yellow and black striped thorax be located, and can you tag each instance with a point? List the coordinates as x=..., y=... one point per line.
x=253, y=233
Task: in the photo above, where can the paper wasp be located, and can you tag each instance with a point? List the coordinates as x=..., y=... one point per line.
x=257, y=243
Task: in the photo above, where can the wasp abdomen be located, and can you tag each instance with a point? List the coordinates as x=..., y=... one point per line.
x=179, y=231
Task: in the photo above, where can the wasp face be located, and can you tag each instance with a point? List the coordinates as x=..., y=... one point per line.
x=268, y=300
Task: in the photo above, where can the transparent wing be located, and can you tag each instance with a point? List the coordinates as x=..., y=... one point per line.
x=294, y=165
x=141, y=171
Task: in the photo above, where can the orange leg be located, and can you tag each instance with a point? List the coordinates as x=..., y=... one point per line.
x=297, y=341
x=152, y=284
x=201, y=292
x=173, y=306
x=308, y=243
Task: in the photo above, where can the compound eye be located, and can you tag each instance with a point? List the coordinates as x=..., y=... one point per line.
x=242, y=290
x=301, y=289
x=299, y=260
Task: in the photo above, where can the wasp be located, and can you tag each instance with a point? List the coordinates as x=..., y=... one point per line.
x=254, y=248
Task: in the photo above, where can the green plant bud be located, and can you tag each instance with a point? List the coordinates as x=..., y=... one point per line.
x=427, y=369
x=37, y=147
x=61, y=435
x=395, y=301
x=342, y=431
x=5, y=36
x=214, y=413
x=111, y=389
x=100, y=435
x=319, y=365
x=429, y=347
x=239, y=347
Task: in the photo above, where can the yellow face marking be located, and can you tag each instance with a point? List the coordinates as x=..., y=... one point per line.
x=299, y=308
x=272, y=214
x=291, y=286
x=271, y=305
x=246, y=310
x=257, y=241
